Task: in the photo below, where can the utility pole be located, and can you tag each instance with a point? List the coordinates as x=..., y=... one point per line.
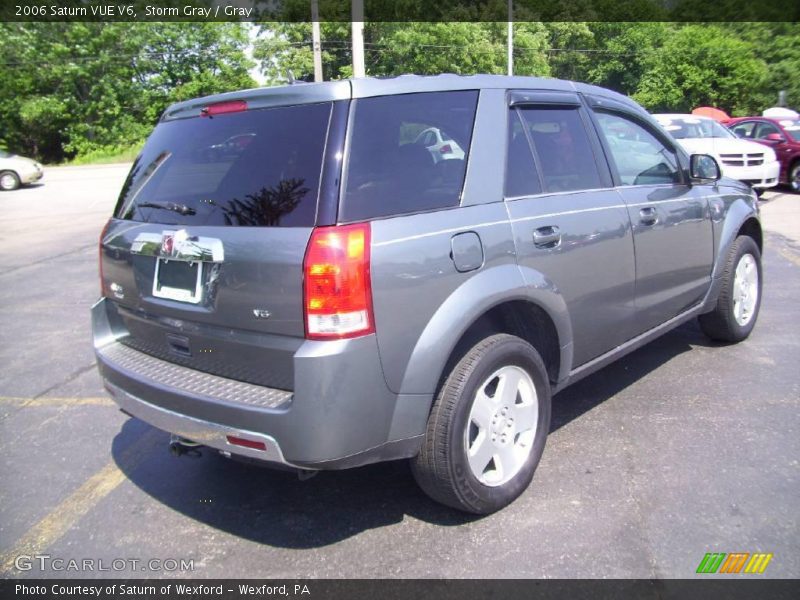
x=357, y=16
x=510, y=37
x=315, y=40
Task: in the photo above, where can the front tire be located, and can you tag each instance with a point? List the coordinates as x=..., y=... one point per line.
x=736, y=311
x=9, y=181
x=487, y=429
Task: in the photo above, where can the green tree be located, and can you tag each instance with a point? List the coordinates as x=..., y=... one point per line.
x=72, y=88
x=702, y=65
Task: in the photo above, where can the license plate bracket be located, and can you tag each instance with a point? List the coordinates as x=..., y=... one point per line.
x=178, y=280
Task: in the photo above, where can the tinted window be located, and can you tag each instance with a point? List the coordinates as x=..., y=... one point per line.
x=521, y=176
x=562, y=147
x=744, y=130
x=256, y=168
x=641, y=159
x=393, y=167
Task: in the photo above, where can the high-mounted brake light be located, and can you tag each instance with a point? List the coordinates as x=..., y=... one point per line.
x=220, y=108
x=337, y=291
x=100, y=257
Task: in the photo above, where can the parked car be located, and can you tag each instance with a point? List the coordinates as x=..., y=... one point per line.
x=17, y=170
x=439, y=144
x=334, y=297
x=781, y=135
x=746, y=161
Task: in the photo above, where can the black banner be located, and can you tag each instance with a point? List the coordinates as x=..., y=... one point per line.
x=734, y=588
x=400, y=10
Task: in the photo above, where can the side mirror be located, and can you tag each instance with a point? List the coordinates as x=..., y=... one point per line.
x=703, y=168
x=774, y=137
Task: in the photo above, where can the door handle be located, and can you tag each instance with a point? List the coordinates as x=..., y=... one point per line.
x=546, y=237
x=648, y=216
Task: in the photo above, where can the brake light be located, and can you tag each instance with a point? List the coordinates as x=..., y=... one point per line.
x=337, y=291
x=220, y=108
x=446, y=149
x=100, y=257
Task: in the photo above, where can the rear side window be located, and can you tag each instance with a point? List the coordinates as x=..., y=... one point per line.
x=521, y=176
x=408, y=153
x=562, y=147
x=251, y=168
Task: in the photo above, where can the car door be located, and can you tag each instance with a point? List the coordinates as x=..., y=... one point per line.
x=672, y=231
x=783, y=150
x=569, y=224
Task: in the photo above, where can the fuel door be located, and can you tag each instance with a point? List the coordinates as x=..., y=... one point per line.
x=466, y=251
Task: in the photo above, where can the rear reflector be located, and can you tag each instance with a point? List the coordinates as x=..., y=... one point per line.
x=237, y=441
x=221, y=108
x=337, y=291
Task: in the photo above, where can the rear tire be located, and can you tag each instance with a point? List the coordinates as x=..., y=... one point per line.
x=9, y=181
x=736, y=311
x=487, y=429
x=794, y=177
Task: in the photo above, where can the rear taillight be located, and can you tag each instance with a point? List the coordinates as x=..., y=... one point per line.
x=446, y=149
x=337, y=294
x=100, y=257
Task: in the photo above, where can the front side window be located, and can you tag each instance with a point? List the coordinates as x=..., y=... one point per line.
x=640, y=157
x=252, y=168
x=764, y=129
x=408, y=153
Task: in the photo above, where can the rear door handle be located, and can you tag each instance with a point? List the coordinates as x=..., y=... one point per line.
x=546, y=237
x=648, y=216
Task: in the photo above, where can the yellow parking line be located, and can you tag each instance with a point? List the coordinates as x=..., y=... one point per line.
x=64, y=516
x=790, y=256
x=57, y=402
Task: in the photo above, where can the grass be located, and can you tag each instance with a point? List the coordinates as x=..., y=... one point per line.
x=120, y=154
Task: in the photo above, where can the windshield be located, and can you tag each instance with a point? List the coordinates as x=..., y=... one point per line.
x=691, y=127
x=251, y=168
x=792, y=128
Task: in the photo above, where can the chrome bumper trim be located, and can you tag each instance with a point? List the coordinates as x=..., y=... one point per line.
x=206, y=433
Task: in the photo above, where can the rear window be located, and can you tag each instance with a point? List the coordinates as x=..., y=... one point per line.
x=408, y=153
x=251, y=168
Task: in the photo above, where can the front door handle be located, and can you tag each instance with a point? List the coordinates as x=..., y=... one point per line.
x=546, y=237
x=648, y=216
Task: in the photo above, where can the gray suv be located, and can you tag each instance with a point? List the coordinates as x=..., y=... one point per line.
x=295, y=275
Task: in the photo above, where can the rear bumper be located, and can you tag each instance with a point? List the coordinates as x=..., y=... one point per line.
x=340, y=414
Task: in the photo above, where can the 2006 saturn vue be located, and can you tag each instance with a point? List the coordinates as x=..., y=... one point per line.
x=291, y=275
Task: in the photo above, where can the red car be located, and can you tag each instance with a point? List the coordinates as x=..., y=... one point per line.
x=782, y=135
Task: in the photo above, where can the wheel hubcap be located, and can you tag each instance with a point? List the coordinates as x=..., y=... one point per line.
x=796, y=179
x=7, y=182
x=502, y=426
x=745, y=289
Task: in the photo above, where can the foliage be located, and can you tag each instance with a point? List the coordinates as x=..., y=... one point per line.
x=701, y=65
x=68, y=89
x=95, y=89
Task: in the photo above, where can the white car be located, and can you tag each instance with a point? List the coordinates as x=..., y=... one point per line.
x=17, y=170
x=740, y=159
x=439, y=144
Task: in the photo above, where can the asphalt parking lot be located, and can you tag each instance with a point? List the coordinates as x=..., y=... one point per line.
x=679, y=449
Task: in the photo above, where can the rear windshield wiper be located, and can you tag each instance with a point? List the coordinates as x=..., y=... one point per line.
x=178, y=208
